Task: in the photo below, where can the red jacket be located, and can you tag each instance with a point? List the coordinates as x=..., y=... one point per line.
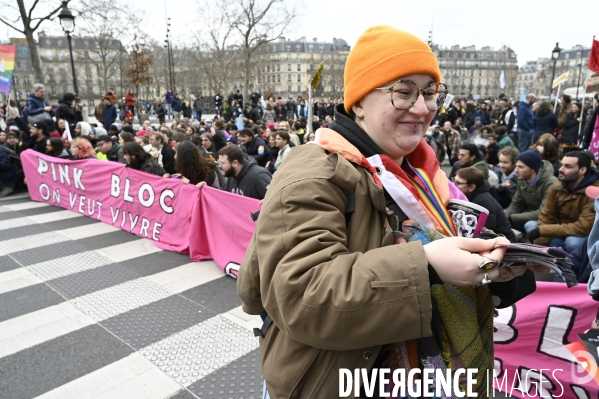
x=130, y=99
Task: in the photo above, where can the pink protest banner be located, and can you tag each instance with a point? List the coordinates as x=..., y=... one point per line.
x=143, y=204
x=224, y=228
x=530, y=338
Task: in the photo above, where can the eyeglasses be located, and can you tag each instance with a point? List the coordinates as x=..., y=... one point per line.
x=404, y=94
x=459, y=183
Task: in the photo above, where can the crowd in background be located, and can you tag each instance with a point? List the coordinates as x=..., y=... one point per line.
x=521, y=160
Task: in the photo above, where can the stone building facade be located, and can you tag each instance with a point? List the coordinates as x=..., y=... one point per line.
x=286, y=66
x=468, y=71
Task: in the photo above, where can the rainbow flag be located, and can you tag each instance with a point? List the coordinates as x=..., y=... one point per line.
x=7, y=67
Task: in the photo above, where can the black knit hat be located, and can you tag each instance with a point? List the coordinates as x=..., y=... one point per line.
x=532, y=159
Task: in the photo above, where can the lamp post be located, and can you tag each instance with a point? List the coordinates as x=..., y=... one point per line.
x=554, y=56
x=67, y=21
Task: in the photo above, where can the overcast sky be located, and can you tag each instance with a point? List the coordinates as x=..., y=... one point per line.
x=530, y=28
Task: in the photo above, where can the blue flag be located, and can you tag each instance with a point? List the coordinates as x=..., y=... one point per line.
x=239, y=123
x=522, y=94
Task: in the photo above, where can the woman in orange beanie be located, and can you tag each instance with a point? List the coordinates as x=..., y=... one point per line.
x=349, y=266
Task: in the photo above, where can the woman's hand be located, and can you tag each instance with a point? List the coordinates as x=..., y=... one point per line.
x=201, y=184
x=166, y=175
x=456, y=260
x=185, y=180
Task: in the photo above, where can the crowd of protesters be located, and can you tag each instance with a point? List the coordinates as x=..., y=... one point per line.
x=528, y=164
x=238, y=151
x=513, y=158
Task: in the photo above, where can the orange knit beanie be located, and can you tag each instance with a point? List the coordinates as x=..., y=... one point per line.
x=382, y=54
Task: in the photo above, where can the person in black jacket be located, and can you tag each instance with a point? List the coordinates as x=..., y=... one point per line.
x=158, y=141
x=256, y=146
x=39, y=135
x=590, y=126
x=472, y=183
x=244, y=176
x=545, y=120
x=177, y=106
x=67, y=112
x=137, y=158
x=572, y=127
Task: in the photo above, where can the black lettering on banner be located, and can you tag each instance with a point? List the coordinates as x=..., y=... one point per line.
x=503, y=326
x=533, y=381
x=580, y=392
x=557, y=326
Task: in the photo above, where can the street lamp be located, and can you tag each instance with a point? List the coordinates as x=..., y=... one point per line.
x=554, y=56
x=67, y=21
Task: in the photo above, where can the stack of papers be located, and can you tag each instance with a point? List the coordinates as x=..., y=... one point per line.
x=540, y=259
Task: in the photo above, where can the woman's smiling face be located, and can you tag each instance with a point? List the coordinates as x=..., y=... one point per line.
x=396, y=132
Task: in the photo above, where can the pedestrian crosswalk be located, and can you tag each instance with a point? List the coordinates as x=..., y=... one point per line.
x=90, y=311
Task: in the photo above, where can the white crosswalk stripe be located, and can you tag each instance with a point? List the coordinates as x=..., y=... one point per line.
x=160, y=369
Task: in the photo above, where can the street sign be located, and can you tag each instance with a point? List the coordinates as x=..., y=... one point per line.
x=560, y=79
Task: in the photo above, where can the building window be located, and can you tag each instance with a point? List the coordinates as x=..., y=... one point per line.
x=15, y=80
x=299, y=88
x=288, y=57
x=299, y=67
x=298, y=56
x=278, y=78
x=288, y=67
x=268, y=68
x=278, y=67
x=53, y=90
x=288, y=89
x=289, y=77
x=567, y=56
x=299, y=77
x=268, y=78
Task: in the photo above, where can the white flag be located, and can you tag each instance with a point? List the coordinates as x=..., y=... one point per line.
x=67, y=133
x=502, y=80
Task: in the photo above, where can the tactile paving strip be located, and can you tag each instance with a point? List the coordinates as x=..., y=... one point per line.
x=31, y=242
x=200, y=350
x=11, y=215
x=151, y=323
x=121, y=298
x=48, y=252
x=86, y=282
x=23, y=231
x=4, y=209
x=68, y=265
x=241, y=379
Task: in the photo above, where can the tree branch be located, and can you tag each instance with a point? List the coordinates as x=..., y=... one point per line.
x=11, y=26
x=47, y=17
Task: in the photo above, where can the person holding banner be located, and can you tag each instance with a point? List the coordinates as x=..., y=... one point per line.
x=355, y=262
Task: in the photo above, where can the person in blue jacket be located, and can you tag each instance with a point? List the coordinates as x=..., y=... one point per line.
x=108, y=113
x=526, y=121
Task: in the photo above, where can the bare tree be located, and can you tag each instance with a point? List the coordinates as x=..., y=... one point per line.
x=259, y=22
x=334, y=74
x=217, y=54
x=26, y=23
x=102, y=21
